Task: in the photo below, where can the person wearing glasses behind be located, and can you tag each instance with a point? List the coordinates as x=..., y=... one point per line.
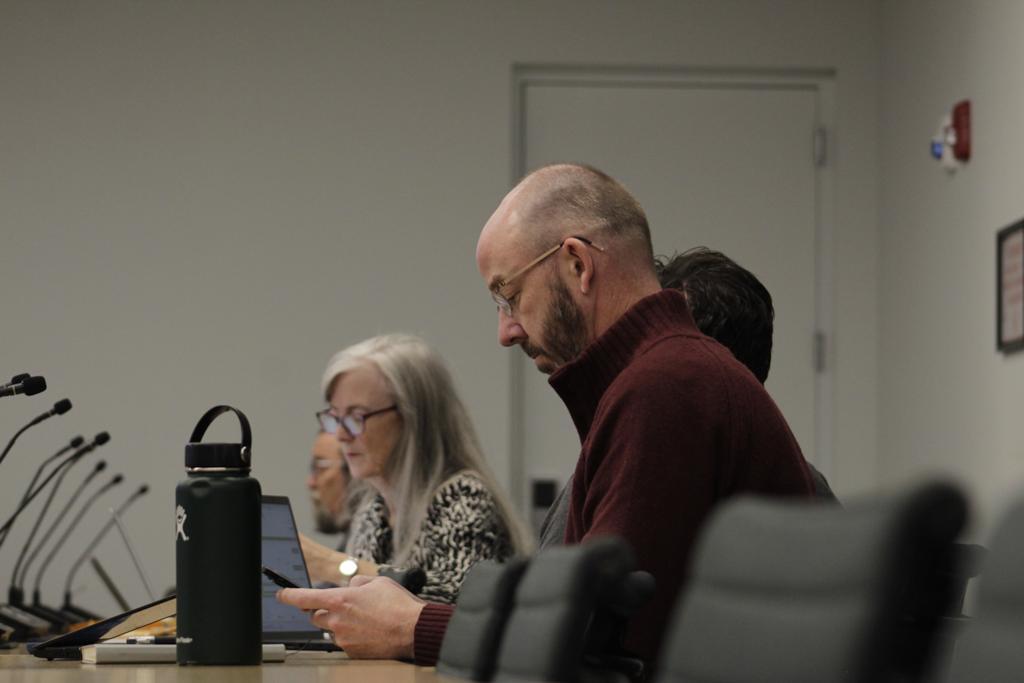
x=434, y=503
x=333, y=492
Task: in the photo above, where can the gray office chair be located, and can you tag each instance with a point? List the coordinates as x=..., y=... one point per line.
x=991, y=647
x=791, y=592
x=606, y=656
x=473, y=635
x=546, y=635
x=932, y=613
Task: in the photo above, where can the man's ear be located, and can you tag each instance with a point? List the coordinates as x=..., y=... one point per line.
x=580, y=264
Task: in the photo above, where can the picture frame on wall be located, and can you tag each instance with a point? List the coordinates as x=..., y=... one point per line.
x=1010, y=288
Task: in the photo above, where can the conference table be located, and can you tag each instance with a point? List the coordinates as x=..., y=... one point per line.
x=16, y=666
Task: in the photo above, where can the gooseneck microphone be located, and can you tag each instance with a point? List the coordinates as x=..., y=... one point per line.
x=97, y=441
x=30, y=386
x=15, y=592
x=17, y=379
x=59, y=408
x=75, y=443
x=118, y=478
x=95, y=542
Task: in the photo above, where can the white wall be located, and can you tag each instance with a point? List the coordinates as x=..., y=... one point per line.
x=200, y=202
x=949, y=402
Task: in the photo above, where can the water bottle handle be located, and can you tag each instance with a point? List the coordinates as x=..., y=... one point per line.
x=212, y=414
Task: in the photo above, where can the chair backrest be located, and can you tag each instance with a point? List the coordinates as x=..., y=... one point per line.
x=792, y=592
x=932, y=608
x=990, y=648
x=473, y=635
x=545, y=636
x=606, y=656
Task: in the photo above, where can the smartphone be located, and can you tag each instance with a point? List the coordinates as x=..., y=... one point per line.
x=282, y=581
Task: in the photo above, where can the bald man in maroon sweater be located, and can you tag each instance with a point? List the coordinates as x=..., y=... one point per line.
x=669, y=421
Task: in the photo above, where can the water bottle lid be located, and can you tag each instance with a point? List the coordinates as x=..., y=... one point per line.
x=219, y=457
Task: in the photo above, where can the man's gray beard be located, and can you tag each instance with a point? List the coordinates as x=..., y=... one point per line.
x=564, y=329
x=329, y=523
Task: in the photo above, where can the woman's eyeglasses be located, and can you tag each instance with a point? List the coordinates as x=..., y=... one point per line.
x=354, y=423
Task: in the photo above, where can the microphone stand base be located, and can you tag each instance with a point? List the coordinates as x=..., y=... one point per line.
x=24, y=624
x=49, y=614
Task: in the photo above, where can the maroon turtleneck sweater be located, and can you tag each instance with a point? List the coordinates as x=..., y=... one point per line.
x=671, y=423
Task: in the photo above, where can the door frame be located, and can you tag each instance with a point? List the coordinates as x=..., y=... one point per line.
x=822, y=83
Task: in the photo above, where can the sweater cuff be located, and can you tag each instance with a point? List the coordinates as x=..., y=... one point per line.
x=429, y=633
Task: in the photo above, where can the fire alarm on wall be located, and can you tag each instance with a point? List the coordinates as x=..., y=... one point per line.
x=952, y=141
x=962, y=130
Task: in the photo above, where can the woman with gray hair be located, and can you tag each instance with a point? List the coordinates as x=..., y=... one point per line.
x=403, y=429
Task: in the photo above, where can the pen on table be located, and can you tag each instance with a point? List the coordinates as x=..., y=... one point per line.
x=152, y=640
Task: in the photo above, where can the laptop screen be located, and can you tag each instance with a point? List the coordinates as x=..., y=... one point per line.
x=281, y=623
x=282, y=553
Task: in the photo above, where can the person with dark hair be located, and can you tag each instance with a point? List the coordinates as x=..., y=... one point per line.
x=670, y=423
x=728, y=303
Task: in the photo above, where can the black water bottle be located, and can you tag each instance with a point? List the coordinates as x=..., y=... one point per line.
x=220, y=615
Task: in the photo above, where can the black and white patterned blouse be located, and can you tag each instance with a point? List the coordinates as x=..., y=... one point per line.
x=462, y=527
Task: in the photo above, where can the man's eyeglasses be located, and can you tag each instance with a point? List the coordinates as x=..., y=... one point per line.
x=499, y=298
x=354, y=423
x=316, y=467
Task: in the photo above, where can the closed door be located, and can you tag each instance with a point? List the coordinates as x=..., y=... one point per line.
x=723, y=163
